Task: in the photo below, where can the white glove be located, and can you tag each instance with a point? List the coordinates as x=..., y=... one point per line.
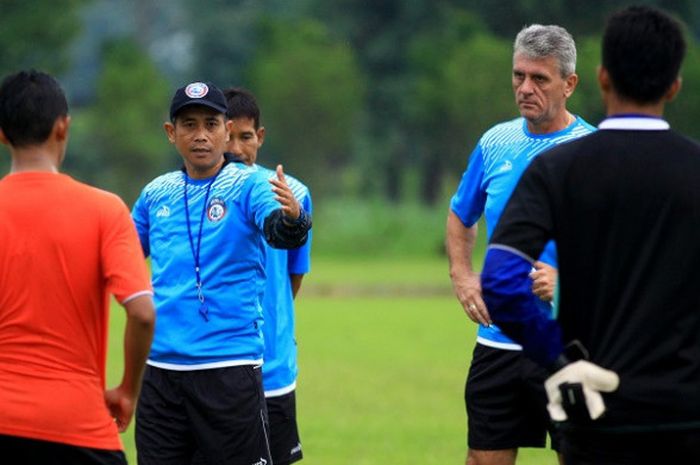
x=592, y=379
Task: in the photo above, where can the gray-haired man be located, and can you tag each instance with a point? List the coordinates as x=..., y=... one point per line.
x=504, y=393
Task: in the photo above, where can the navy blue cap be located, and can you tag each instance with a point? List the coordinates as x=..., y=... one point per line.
x=198, y=93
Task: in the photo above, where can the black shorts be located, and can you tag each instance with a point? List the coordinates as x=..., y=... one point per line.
x=217, y=414
x=651, y=448
x=506, y=401
x=35, y=452
x=284, y=434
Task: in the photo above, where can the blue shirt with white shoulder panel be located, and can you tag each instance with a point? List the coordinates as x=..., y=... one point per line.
x=280, y=365
x=494, y=169
x=232, y=260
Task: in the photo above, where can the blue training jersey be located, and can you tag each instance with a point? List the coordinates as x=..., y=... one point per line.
x=232, y=258
x=495, y=166
x=280, y=365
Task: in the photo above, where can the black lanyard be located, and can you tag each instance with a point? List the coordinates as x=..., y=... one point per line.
x=203, y=309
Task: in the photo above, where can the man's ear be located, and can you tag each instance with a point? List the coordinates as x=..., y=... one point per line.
x=674, y=89
x=3, y=138
x=261, y=135
x=169, y=131
x=229, y=127
x=604, y=79
x=61, y=128
x=571, y=83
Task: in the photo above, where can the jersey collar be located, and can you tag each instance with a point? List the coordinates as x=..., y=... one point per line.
x=634, y=123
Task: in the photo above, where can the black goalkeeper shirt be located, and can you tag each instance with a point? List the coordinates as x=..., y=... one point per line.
x=623, y=206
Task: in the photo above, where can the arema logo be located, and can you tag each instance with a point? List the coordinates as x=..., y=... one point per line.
x=216, y=210
x=196, y=90
x=262, y=461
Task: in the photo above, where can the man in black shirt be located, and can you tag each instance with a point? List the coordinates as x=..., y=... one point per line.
x=623, y=206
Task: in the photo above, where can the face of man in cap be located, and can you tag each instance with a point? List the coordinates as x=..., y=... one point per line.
x=200, y=135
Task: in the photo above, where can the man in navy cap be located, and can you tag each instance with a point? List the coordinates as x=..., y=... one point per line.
x=204, y=227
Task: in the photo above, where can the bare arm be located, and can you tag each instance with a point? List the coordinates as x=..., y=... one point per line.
x=460, y=241
x=295, y=279
x=140, y=324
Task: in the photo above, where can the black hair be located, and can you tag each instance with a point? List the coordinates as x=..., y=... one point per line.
x=30, y=103
x=242, y=104
x=643, y=49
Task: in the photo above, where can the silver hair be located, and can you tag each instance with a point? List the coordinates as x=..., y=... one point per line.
x=538, y=41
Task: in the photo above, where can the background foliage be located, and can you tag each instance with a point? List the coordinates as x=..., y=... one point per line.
x=376, y=105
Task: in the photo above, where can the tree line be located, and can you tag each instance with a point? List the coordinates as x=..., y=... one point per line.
x=360, y=98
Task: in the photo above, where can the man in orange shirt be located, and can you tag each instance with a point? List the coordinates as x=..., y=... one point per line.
x=64, y=248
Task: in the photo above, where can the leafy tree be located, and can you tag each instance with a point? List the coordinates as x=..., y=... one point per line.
x=585, y=100
x=462, y=88
x=37, y=33
x=119, y=142
x=311, y=94
x=33, y=35
x=381, y=32
x=226, y=36
x=580, y=17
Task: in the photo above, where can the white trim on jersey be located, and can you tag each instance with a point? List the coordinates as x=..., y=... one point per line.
x=281, y=391
x=203, y=366
x=635, y=123
x=135, y=295
x=499, y=345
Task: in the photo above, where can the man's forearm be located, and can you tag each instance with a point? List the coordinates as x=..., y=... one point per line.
x=459, y=242
x=138, y=335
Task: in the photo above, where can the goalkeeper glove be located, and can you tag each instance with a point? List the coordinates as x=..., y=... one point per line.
x=574, y=391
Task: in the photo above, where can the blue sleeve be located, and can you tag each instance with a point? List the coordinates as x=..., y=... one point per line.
x=261, y=200
x=469, y=200
x=139, y=214
x=299, y=259
x=507, y=291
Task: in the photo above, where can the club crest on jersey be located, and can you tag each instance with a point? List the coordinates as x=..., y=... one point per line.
x=216, y=210
x=196, y=90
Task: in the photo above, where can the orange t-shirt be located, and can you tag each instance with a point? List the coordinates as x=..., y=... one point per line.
x=64, y=247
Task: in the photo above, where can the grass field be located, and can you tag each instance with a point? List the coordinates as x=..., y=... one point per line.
x=383, y=353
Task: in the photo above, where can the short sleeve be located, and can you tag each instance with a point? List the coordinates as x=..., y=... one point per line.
x=139, y=214
x=469, y=200
x=261, y=199
x=299, y=260
x=124, y=267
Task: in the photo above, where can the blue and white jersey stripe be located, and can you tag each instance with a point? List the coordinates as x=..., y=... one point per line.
x=495, y=166
x=232, y=259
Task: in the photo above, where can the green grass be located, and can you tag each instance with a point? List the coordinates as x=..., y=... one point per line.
x=382, y=368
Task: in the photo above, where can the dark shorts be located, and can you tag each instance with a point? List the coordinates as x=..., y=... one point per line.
x=652, y=448
x=219, y=414
x=284, y=434
x=506, y=401
x=35, y=452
